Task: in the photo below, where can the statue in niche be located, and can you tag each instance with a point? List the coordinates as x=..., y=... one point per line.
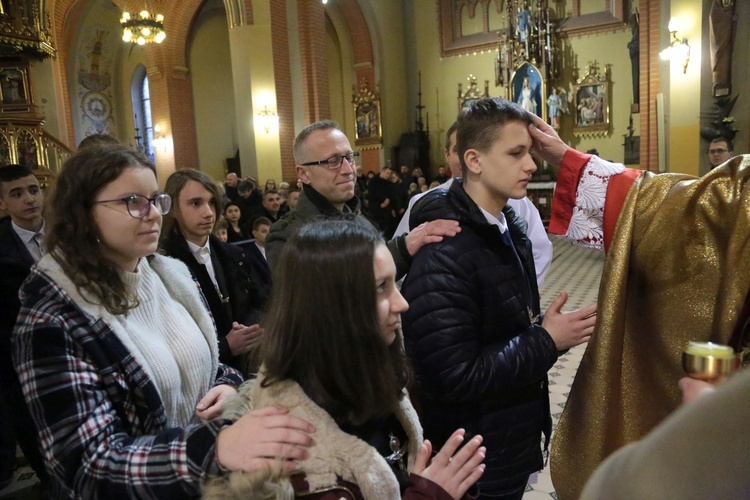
x=554, y=104
x=721, y=38
x=635, y=59
x=526, y=99
x=522, y=28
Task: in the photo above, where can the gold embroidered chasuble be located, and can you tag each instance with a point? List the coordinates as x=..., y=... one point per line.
x=678, y=270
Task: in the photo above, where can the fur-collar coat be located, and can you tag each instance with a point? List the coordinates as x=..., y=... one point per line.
x=336, y=454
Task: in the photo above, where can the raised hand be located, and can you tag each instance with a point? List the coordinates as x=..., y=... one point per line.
x=546, y=142
x=242, y=339
x=453, y=471
x=569, y=329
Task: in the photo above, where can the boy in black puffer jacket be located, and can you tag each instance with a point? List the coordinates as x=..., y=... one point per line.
x=474, y=332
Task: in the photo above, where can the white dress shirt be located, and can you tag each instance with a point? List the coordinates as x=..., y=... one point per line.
x=34, y=241
x=203, y=255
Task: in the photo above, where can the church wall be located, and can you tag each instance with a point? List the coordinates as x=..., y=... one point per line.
x=213, y=93
x=441, y=76
x=91, y=69
x=684, y=91
x=340, y=75
x=43, y=89
x=129, y=61
x=385, y=19
x=607, y=49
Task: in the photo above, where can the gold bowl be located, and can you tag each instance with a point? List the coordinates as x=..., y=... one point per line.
x=708, y=368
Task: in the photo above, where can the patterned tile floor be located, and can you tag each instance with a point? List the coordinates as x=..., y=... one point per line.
x=576, y=271
x=573, y=269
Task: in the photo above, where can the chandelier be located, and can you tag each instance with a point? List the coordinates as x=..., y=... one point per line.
x=146, y=28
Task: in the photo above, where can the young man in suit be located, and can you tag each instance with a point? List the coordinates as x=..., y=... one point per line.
x=21, y=238
x=256, y=253
x=223, y=271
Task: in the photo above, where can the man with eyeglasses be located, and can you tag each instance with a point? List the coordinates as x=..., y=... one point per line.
x=21, y=236
x=326, y=164
x=719, y=151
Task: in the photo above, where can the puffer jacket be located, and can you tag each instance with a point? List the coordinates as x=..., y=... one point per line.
x=480, y=359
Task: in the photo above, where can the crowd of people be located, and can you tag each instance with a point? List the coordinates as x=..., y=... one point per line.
x=233, y=342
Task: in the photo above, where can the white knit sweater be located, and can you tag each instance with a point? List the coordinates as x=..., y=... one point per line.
x=171, y=334
x=171, y=344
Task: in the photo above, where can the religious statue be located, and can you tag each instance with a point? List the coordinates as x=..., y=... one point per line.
x=721, y=38
x=526, y=99
x=522, y=28
x=634, y=49
x=554, y=103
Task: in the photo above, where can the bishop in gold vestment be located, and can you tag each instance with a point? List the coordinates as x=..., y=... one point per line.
x=678, y=269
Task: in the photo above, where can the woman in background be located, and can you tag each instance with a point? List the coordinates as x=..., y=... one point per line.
x=233, y=214
x=334, y=356
x=117, y=354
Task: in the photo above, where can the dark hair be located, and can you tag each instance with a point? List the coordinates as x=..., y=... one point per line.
x=448, y=134
x=97, y=140
x=721, y=138
x=245, y=186
x=480, y=122
x=299, y=141
x=270, y=191
x=261, y=221
x=230, y=204
x=322, y=328
x=73, y=236
x=13, y=172
x=175, y=183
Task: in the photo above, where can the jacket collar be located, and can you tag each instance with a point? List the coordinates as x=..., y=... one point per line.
x=312, y=202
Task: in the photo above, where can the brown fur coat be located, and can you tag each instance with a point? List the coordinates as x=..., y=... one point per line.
x=336, y=454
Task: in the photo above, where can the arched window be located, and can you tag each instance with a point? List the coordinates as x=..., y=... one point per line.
x=141, y=98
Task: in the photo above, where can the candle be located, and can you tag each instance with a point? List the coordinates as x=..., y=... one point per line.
x=708, y=361
x=709, y=349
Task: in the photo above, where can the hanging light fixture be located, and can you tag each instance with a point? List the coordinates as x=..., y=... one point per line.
x=143, y=29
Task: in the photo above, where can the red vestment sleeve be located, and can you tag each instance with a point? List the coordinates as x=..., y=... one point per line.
x=617, y=190
x=564, y=201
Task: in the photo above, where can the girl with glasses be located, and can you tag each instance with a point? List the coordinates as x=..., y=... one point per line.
x=333, y=355
x=117, y=353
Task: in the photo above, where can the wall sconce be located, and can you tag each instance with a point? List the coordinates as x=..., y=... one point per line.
x=678, y=49
x=268, y=119
x=159, y=139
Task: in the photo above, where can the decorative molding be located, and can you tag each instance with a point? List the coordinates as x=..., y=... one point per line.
x=613, y=18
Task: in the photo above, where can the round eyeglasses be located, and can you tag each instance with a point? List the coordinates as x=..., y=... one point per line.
x=335, y=161
x=139, y=206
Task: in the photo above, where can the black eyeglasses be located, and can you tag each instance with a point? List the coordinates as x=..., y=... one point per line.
x=139, y=206
x=335, y=161
x=717, y=151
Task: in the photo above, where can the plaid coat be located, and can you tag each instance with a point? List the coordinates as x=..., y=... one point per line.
x=102, y=426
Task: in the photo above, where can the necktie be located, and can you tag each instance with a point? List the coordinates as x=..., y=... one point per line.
x=35, y=248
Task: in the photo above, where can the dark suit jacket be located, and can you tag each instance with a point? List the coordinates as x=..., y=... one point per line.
x=244, y=299
x=15, y=264
x=258, y=263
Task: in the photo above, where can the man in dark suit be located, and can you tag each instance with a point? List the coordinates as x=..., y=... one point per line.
x=256, y=252
x=21, y=237
x=222, y=270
